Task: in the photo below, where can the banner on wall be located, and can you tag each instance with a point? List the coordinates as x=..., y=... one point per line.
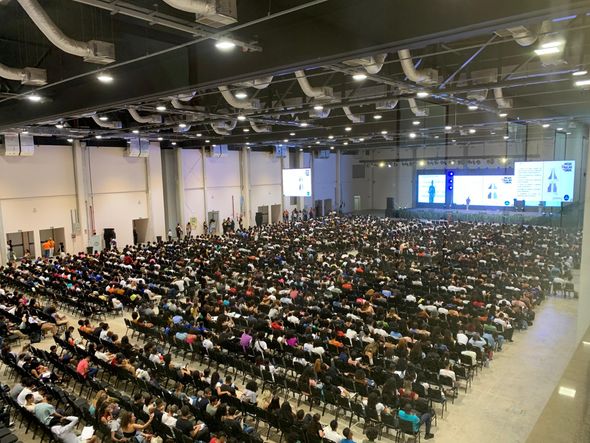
x=193, y=222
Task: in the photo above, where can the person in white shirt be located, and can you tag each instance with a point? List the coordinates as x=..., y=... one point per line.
x=64, y=431
x=21, y=399
x=331, y=433
x=169, y=418
x=447, y=372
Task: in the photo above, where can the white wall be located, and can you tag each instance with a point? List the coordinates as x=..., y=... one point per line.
x=265, y=181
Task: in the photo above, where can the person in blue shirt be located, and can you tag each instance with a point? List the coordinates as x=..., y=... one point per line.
x=347, y=432
x=426, y=418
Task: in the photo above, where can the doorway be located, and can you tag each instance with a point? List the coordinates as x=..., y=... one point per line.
x=356, y=203
x=327, y=206
x=21, y=242
x=140, y=226
x=59, y=237
x=275, y=213
x=319, y=208
x=213, y=222
x=264, y=211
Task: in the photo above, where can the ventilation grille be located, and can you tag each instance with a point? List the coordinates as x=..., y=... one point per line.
x=358, y=171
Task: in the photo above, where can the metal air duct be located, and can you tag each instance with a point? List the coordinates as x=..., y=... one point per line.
x=27, y=76
x=320, y=92
x=352, y=117
x=238, y=104
x=420, y=76
x=146, y=119
x=107, y=124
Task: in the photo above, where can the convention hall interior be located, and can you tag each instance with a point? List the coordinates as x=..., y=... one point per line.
x=300, y=221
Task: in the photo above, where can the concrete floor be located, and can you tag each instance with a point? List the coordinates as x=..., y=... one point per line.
x=506, y=399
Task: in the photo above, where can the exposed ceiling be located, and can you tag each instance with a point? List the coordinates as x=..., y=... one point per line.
x=171, y=82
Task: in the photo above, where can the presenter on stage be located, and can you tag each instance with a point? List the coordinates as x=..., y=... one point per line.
x=431, y=192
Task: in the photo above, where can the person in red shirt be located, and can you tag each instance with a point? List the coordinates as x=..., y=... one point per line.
x=219, y=438
x=84, y=368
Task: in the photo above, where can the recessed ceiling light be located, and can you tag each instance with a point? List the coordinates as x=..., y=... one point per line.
x=241, y=95
x=173, y=143
x=389, y=165
x=454, y=141
x=422, y=94
x=421, y=162
x=247, y=143
x=381, y=164
x=502, y=114
x=348, y=129
x=318, y=107
x=412, y=135
x=225, y=45
x=291, y=134
x=377, y=116
x=560, y=129
x=35, y=98
x=199, y=134
x=285, y=140
x=583, y=82
x=383, y=132
x=24, y=132
x=241, y=117
x=568, y=133
x=582, y=72
x=160, y=139
x=416, y=122
x=182, y=125
x=135, y=131
x=472, y=131
x=246, y=130
x=70, y=140
x=361, y=139
x=452, y=162
x=303, y=124
x=436, y=136
x=359, y=77
x=99, y=137
x=545, y=125
x=59, y=126
x=492, y=133
x=473, y=107
x=504, y=160
x=103, y=118
x=104, y=77
x=317, y=143
x=160, y=108
x=345, y=143
x=448, y=128
x=207, y=141
x=506, y=137
x=332, y=148
x=330, y=137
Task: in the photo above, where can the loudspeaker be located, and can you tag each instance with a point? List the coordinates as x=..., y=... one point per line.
x=390, y=202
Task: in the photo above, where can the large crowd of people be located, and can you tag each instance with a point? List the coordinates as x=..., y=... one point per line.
x=388, y=314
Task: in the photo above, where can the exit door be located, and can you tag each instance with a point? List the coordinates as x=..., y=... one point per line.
x=213, y=221
x=356, y=203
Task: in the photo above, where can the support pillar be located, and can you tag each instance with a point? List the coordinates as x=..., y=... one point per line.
x=245, y=181
x=205, y=194
x=155, y=198
x=181, y=207
x=584, y=293
x=338, y=191
x=83, y=233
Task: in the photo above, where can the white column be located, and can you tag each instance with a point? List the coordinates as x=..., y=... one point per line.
x=205, y=195
x=2, y=239
x=78, y=154
x=180, y=188
x=245, y=181
x=285, y=201
x=337, y=194
x=584, y=293
x=155, y=198
x=300, y=164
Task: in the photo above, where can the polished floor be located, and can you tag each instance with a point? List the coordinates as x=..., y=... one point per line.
x=507, y=398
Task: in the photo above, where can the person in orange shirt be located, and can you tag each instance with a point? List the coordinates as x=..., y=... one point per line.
x=51, y=247
x=46, y=246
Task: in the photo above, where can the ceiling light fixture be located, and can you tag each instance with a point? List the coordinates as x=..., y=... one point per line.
x=332, y=148
x=59, y=126
x=135, y=131
x=318, y=107
x=415, y=122
x=99, y=137
x=207, y=141
x=436, y=136
x=291, y=134
x=160, y=139
x=473, y=107
x=472, y=131
x=225, y=45
x=448, y=128
x=580, y=72
x=348, y=129
x=422, y=94
x=199, y=134
x=103, y=118
x=24, y=132
x=560, y=129
x=381, y=164
x=286, y=140
x=547, y=51
x=303, y=124
x=300, y=149
x=317, y=143
x=359, y=77
x=247, y=143
x=422, y=163
x=35, y=98
x=173, y=143
x=377, y=116
x=345, y=143
x=182, y=125
x=504, y=160
x=585, y=82
x=330, y=137
x=241, y=117
x=103, y=77
x=160, y=108
x=361, y=139
x=383, y=132
x=412, y=135
x=246, y=130
x=241, y=95
x=506, y=137
x=70, y=140
x=502, y=114
x=545, y=125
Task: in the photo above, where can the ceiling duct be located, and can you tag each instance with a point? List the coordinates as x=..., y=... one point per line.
x=418, y=112
x=224, y=127
x=93, y=51
x=260, y=128
x=371, y=64
x=555, y=42
x=521, y=34
x=420, y=76
x=482, y=76
x=320, y=92
x=27, y=76
x=213, y=13
x=355, y=118
x=106, y=124
x=501, y=101
x=146, y=119
x=258, y=83
x=186, y=97
x=198, y=111
x=386, y=104
x=236, y=103
x=319, y=113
